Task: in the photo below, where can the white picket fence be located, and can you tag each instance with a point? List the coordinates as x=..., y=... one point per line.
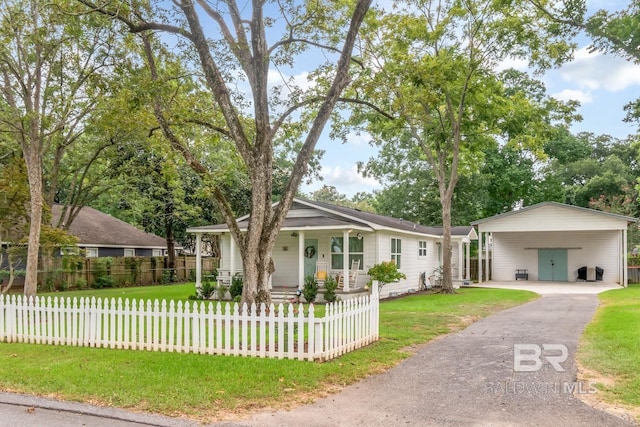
x=282, y=331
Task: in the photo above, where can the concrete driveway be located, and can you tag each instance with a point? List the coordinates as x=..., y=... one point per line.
x=551, y=288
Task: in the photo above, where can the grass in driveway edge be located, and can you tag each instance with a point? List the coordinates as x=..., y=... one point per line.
x=209, y=388
x=609, y=353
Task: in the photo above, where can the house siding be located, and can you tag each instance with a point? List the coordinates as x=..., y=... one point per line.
x=584, y=248
x=554, y=218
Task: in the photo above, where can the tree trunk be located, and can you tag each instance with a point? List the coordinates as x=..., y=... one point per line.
x=33, y=161
x=447, y=279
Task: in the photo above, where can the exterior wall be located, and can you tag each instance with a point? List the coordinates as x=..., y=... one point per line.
x=411, y=264
x=584, y=248
x=554, y=218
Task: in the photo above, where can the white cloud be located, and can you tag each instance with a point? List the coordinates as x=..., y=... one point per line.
x=515, y=63
x=584, y=97
x=596, y=71
x=346, y=181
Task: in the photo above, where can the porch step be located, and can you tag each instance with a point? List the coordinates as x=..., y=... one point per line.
x=283, y=295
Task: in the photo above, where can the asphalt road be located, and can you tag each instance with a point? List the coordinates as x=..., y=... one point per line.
x=465, y=379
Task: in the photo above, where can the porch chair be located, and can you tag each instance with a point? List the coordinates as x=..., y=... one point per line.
x=321, y=272
x=353, y=275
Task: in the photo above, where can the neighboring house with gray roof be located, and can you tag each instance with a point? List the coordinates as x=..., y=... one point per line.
x=315, y=232
x=101, y=235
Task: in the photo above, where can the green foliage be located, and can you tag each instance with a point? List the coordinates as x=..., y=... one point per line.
x=236, y=286
x=310, y=289
x=101, y=273
x=205, y=291
x=330, y=287
x=133, y=265
x=385, y=272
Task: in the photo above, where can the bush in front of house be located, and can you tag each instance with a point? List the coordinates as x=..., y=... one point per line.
x=385, y=272
x=236, y=287
x=310, y=289
x=330, y=287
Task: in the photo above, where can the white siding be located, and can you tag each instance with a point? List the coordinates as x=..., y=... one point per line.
x=584, y=248
x=554, y=218
x=411, y=265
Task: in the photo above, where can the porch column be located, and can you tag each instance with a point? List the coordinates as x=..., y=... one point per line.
x=460, y=259
x=625, y=260
x=232, y=256
x=467, y=261
x=300, y=259
x=345, y=260
x=479, y=257
x=198, y=260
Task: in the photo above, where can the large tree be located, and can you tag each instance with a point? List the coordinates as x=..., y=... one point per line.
x=51, y=78
x=230, y=46
x=434, y=77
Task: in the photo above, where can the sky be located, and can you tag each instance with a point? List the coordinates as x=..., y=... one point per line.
x=603, y=84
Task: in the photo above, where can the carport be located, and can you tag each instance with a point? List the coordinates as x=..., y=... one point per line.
x=550, y=241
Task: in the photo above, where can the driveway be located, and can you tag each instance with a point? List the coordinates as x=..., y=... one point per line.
x=464, y=379
x=468, y=378
x=552, y=288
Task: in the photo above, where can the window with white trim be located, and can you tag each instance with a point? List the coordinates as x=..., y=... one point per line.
x=157, y=252
x=396, y=251
x=129, y=252
x=91, y=252
x=356, y=252
x=422, y=248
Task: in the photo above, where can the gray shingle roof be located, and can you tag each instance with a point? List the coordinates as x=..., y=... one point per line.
x=346, y=217
x=95, y=228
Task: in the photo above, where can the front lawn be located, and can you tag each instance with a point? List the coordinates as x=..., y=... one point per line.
x=610, y=348
x=211, y=388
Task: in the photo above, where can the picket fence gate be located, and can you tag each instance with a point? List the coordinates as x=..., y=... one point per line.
x=282, y=331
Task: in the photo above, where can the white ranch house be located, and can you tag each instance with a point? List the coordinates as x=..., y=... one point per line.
x=313, y=236
x=551, y=241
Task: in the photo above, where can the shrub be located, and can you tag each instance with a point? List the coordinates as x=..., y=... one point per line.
x=221, y=291
x=385, y=272
x=310, y=289
x=236, y=287
x=204, y=292
x=330, y=287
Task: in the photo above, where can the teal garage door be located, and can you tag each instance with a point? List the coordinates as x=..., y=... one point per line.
x=553, y=265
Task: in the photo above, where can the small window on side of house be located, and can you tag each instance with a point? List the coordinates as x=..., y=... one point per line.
x=396, y=251
x=129, y=252
x=422, y=248
x=91, y=252
x=157, y=252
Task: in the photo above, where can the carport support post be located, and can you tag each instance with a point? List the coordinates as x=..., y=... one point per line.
x=625, y=269
x=467, y=261
x=198, y=260
x=460, y=259
x=480, y=256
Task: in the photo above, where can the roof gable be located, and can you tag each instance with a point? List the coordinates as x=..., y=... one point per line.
x=554, y=216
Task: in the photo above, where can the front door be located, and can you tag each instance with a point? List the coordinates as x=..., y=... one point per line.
x=310, y=256
x=553, y=265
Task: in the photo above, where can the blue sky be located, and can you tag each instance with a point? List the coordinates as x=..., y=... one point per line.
x=602, y=83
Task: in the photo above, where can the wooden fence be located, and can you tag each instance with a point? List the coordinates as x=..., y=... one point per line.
x=201, y=327
x=473, y=267
x=79, y=272
x=633, y=274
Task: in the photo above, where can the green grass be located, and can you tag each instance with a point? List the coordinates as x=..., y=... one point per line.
x=214, y=387
x=610, y=346
x=160, y=292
